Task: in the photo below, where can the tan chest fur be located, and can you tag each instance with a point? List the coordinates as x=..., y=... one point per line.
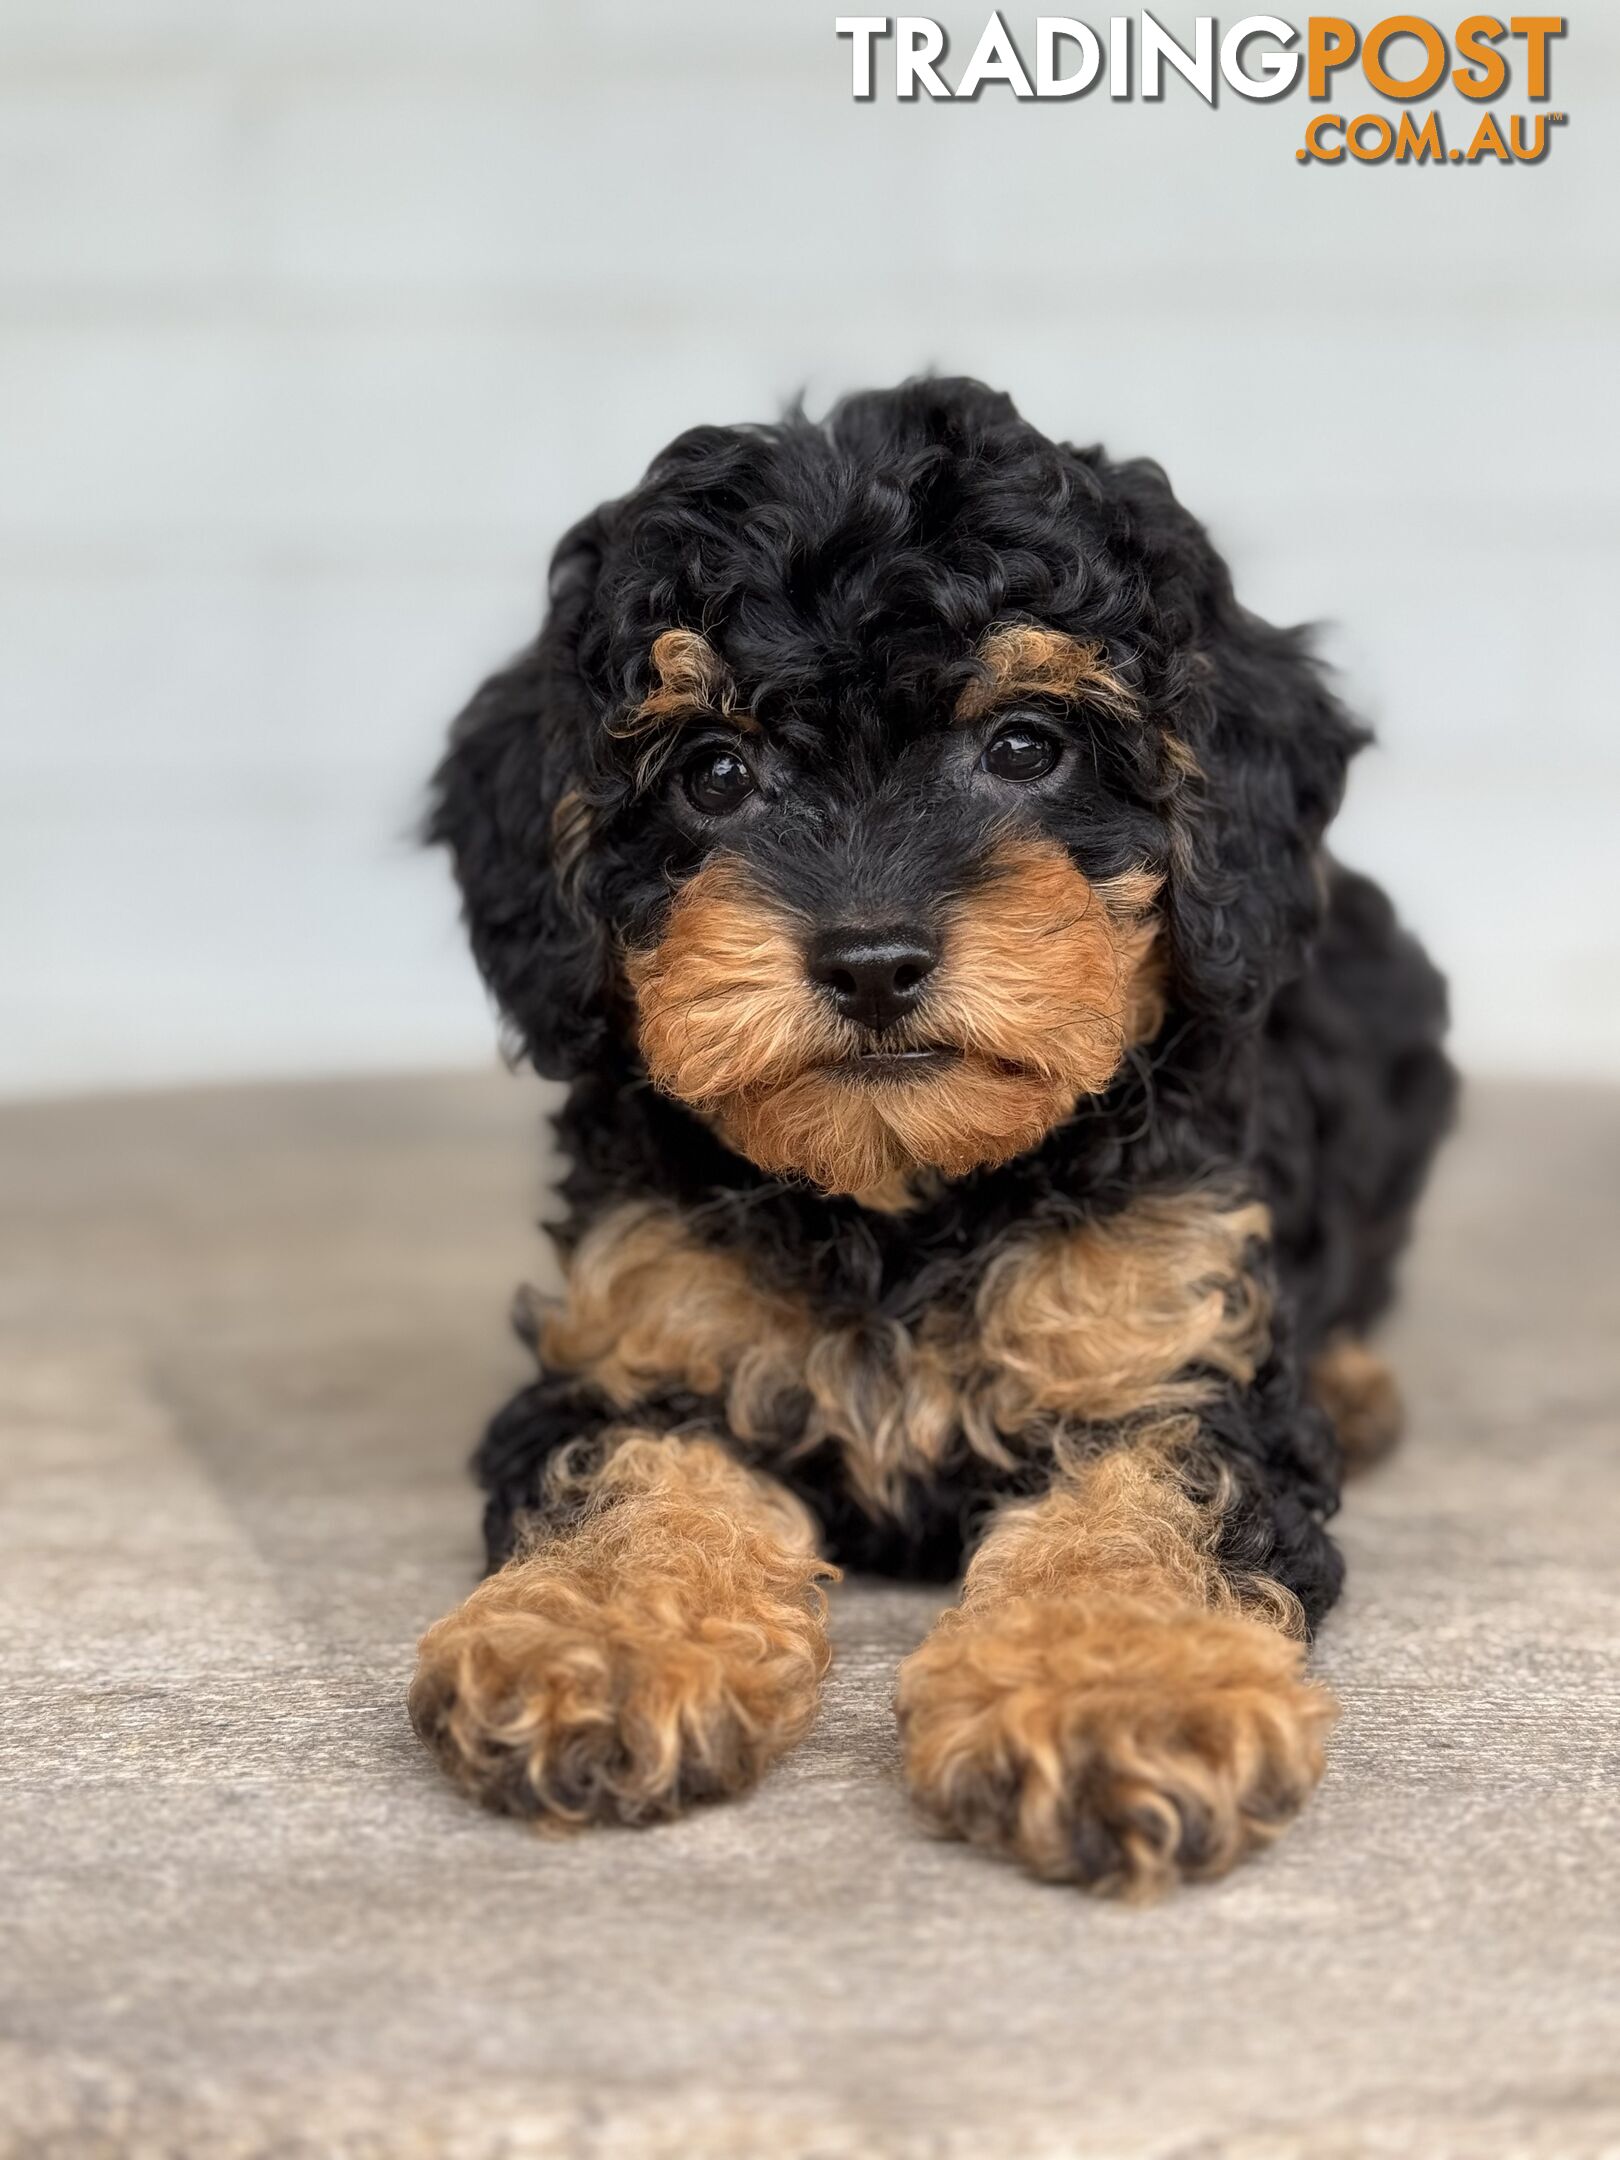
x=1144, y=1312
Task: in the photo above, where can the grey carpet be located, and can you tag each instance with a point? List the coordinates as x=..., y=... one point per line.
x=245, y=1338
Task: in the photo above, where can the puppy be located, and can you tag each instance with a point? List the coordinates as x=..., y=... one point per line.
x=992, y=1122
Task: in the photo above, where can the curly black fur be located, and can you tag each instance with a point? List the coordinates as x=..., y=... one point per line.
x=844, y=571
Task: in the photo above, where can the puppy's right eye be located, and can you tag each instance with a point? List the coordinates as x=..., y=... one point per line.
x=1021, y=753
x=717, y=782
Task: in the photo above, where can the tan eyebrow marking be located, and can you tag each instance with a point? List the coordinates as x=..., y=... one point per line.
x=690, y=682
x=1023, y=660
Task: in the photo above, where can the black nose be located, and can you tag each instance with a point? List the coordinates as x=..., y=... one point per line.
x=875, y=977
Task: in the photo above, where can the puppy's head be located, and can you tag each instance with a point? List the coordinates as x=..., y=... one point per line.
x=880, y=784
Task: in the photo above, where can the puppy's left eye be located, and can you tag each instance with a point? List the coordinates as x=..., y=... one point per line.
x=1021, y=752
x=717, y=781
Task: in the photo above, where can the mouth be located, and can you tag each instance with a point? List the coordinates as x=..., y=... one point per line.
x=878, y=1064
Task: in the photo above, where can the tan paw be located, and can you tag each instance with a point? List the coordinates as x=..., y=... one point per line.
x=541, y=1702
x=1109, y=1744
x=1363, y=1403
x=664, y=1651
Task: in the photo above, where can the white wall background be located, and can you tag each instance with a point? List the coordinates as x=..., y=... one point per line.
x=321, y=318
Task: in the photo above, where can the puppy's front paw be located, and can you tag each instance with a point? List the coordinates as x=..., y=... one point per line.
x=1108, y=1744
x=549, y=1697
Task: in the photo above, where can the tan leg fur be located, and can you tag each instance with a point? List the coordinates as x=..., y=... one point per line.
x=664, y=1648
x=1105, y=1706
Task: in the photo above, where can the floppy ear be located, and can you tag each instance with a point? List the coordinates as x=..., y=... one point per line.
x=505, y=802
x=1265, y=745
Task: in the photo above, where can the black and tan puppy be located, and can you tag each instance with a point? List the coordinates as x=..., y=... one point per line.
x=993, y=1119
